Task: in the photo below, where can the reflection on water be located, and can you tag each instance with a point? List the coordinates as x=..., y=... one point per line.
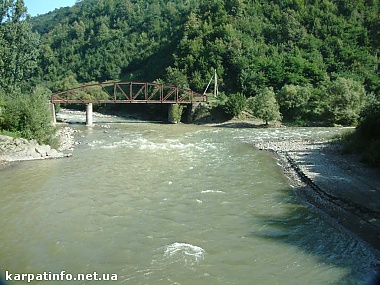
x=172, y=204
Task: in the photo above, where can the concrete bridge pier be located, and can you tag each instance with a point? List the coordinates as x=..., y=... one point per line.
x=190, y=111
x=52, y=110
x=89, y=115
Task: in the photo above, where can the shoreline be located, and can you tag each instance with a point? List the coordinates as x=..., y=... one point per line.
x=338, y=185
x=20, y=149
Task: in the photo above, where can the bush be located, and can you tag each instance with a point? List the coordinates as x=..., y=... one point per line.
x=293, y=101
x=371, y=155
x=265, y=106
x=235, y=104
x=345, y=100
x=29, y=116
x=366, y=138
x=175, y=113
x=369, y=126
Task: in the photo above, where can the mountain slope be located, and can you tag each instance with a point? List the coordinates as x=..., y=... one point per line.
x=252, y=44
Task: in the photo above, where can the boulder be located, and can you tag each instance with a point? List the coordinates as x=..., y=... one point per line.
x=32, y=153
x=43, y=150
x=54, y=153
x=6, y=138
x=20, y=141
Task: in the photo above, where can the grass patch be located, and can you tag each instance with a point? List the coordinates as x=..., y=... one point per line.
x=14, y=135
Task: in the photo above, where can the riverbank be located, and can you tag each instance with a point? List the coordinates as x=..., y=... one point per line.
x=339, y=185
x=19, y=149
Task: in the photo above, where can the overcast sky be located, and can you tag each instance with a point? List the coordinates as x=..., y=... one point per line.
x=36, y=7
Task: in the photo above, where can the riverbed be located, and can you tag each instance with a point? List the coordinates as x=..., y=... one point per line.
x=172, y=204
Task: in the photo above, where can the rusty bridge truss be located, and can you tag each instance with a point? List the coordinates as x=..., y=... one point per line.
x=127, y=92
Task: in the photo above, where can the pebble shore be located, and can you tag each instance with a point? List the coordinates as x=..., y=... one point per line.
x=339, y=185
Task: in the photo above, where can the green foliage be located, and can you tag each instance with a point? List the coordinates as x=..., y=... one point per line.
x=300, y=48
x=366, y=138
x=2, y=107
x=371, y=155
x=18, y=46
x=346, y=97
x=293, y=101
x=265, y=106
x=94, y=93
x=221, y=99
x=369, y=126
x=10, y=134
x=252, y=44
x=23, y=111
x=67, y=82
x=235, y=104
x=175, y=113
x=29, y=116
x=175, y=77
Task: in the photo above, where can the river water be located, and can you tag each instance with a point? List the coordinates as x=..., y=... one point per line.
x=171, y=204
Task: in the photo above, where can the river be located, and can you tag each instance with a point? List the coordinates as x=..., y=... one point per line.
x=171, y=204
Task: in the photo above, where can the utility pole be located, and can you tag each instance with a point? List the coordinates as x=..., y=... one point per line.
x=215, y=84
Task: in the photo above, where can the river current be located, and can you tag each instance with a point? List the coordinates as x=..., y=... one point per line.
x=171, y=204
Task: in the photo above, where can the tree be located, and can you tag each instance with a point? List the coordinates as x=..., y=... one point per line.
x=18, y=45
x=24, y=110
x=293, y=101
x=175, y=77
x=346, y=98
x=266, y=107
x=235, y=104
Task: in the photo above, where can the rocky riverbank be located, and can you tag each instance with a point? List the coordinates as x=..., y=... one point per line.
x=21, y=149
x=339, y=185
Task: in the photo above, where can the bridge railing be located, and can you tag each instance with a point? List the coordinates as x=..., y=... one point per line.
x=128, y=92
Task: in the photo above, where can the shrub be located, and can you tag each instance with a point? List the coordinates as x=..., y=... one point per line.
x=345, y=100
x=369, y=126
x=29, y=116
x=175, y=113
x=366, y=138
x=293, y=101
x=265, y=106
x=235, y=104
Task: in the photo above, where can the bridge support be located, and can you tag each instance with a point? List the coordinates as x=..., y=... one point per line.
x=89, y=116
x=190, y=111
x=53, y=116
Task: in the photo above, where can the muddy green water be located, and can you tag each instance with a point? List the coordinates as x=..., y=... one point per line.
x=171, y=204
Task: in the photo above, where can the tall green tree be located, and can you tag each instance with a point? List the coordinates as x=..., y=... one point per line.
x=18, y=45
x=265, y=106
x=24, y=109
x=293, y=101
x=346, y=98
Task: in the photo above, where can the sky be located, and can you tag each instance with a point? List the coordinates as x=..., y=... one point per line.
x=36, y=7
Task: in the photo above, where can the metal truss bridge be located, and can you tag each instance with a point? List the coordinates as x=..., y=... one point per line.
x=127, y=92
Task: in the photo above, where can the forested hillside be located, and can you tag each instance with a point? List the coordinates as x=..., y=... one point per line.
x=252, y=44
x=302, y=45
